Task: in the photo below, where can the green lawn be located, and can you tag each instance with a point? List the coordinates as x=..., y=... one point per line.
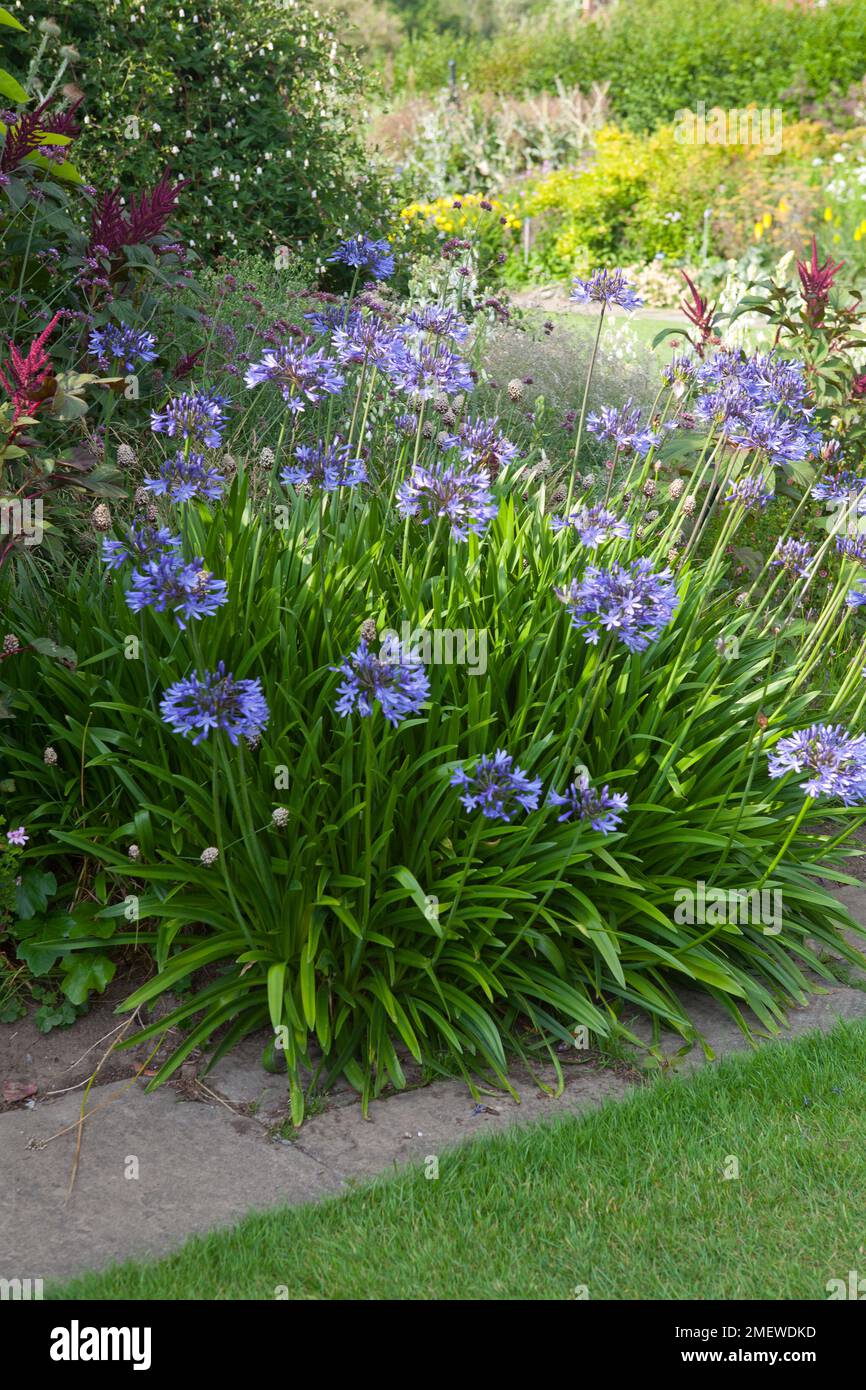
x=629, y=1201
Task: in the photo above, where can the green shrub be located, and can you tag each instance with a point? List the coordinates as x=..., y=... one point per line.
x=254, y=100
x=663, y=55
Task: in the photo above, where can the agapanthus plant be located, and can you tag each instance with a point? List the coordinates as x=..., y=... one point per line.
x=605, y=287
x=141, y=544
x=426, y=371
x=398, y=682
x=482, y=444
x=603, y=808
x=215, y=701
x=834, y=758
x=592, y=525
x=794, y=557
x=753, y=494
x=461, y=496
x=363, y=253
x=327, y=464
x=633, y=602
x=622, y=428
x=115, y=342
x=303, y=374
x=172, y=584
x=197, y=415
x=182, y=479
x=497, y=787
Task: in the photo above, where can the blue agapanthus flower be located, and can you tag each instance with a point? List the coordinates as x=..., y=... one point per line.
x=605, y=287
x=184, y=478
x=759, y=402
x=425, y=371
x=215, y=701
x=622, y=428
x=751, y=493
x=303, y=375
x=843, y=489
x=363, y=253
x=398, y=681
x=141, y=544
x=182, y=587
x=327, y=465
x=334, y=316
x=603, y=808
x=633, y=601
x=437, y=321
x=594, y=525
x=462, y=496
x=369, y=339
x=116, y=343
x=794, y=557
x=196, y=415
x=483, y=444
x=835, y=760
x=497, y=787
x=852, y=547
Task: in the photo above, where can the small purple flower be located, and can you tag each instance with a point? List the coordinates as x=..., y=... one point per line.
x=170, y=583
x=197, y=415
x=141, y=544
x=622, y=428
x=216, y=701
x=302, y=376
x=633, y=602
x=325, y=465
x=428, y=371
x=605, y=287
x=185, y=478
x=334, y=316
x=594, y=525
x=117, y=343
x=482, y=444
x=853, y=548
x=368, y=339
x=437, y=321
x=750, y=493
x=793, y=557
x=603, y=808
x=835, y=758
x=363, y=253
x=497, y=787
x=842, y=489
x=398, y=681
x=462, y=495
x=17, y=837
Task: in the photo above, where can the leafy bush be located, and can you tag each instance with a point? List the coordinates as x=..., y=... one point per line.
x=255, y=99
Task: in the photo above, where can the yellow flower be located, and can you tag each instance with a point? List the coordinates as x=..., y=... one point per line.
x=759, y=230
x=828, y=214
x=768, y=219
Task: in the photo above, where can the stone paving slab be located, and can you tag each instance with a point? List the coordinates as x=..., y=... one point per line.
x=198, y=1167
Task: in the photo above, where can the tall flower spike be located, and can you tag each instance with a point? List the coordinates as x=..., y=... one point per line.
x=699, y=313
x=816, y=283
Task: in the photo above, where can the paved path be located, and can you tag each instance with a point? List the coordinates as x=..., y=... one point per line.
x=153, y=1169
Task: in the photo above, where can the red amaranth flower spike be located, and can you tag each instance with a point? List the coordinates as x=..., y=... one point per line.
x=700, y=313
x=112, y=228
x=817, y=282
x=30, y=128
x=27, y=375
